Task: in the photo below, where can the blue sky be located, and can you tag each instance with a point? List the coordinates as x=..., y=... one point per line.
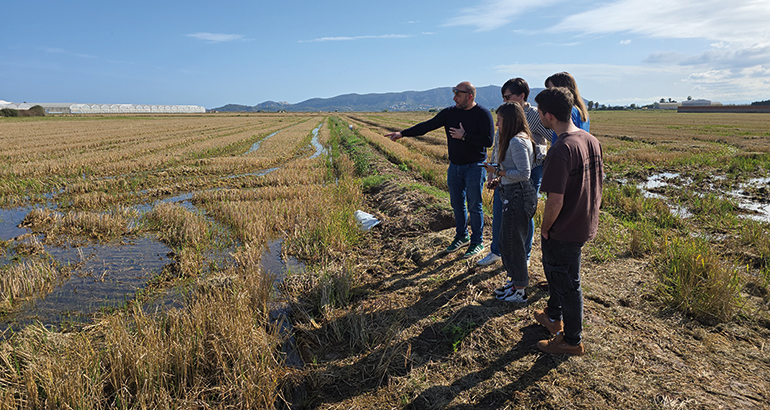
x=212, y=53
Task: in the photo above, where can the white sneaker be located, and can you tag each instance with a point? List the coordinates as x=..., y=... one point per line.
x=506, y=288
x=514, y=296
x=489, y=259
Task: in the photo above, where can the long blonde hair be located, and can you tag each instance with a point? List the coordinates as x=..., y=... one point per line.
x=514, y=123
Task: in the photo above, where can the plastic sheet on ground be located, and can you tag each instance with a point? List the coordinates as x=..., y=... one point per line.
x=367, y=221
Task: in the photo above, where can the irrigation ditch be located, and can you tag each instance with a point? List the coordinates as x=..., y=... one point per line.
x=101, y=276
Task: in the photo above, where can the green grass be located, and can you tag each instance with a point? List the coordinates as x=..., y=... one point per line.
x=695, y=279
x=349, y=142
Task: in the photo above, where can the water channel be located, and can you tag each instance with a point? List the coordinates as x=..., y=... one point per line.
x=105, y=276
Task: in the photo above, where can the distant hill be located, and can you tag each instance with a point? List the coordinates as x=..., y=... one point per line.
x=488, y=96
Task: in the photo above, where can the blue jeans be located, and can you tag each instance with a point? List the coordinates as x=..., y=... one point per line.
x=561, y=263
x=536, y=176
x=519, y=204
x=497, y=221
x=497, y=213
x=465, y=182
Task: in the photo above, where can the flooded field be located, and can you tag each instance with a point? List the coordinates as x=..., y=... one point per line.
x=219, y=261
x=97, y=166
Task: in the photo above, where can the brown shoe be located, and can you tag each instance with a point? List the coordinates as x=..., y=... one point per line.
x=553, y=326
x=557, y=345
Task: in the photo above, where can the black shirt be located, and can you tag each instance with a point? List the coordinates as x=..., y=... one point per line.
x=479, y=132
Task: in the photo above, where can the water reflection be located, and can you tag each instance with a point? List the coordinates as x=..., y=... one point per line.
x=319, y=149
x=255, y=146
x=104, y=276
x=10, y=220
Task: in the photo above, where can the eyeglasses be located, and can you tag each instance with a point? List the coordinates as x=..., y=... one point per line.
x=457, y=90
x=507, y=97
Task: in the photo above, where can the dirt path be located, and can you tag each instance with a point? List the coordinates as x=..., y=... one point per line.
x=423, y=331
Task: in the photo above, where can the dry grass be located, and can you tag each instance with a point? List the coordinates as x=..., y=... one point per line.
x=98, y=226
x=220, y=351
x=26, y=278
x=382, y=320
x=180, y=228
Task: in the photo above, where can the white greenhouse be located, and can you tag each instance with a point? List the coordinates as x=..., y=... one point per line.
x=68, y=108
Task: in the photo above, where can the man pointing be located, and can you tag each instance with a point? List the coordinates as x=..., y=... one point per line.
x=469, y=129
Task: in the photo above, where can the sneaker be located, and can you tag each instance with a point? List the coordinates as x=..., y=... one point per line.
x=474, y=249
x=489, y=259
x=502, y=290
x=457, y=244
x=553, y=326
x=514, y=295
x=558, y=345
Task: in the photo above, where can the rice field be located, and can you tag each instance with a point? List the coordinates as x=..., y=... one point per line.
x=132, y=248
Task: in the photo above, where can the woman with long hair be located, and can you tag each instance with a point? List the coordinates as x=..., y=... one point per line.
x=579, y=110
x=516, y=154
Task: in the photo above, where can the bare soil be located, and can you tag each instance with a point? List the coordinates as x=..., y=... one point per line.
x=423, y=331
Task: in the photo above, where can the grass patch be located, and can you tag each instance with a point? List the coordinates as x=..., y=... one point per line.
x=349, y=142
x=697, y=281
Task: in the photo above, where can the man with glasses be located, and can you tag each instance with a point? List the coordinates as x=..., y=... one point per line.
x=469, y=129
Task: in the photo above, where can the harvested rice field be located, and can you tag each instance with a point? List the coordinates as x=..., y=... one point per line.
x=216, y=261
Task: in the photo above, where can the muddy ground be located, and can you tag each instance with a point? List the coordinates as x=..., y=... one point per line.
x=423, y=331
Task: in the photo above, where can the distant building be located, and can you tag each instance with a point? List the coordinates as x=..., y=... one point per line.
x=699, y=103
x=686, y=103
x=726, y=108
x=70, y=108
x=666, y=105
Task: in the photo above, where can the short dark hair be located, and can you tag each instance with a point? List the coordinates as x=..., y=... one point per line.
x=516, y=86
x=558, y=101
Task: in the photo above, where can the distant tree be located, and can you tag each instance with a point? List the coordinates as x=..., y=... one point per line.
x=590, y=104
x=633, y=106
x=765, y=102
x=604, y=107
x=663, y=100
x=9, y=112
x=689, y=98
x=37, y=111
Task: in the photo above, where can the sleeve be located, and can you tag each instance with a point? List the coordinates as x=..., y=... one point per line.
x=426, y=126
x=519, y=152
x=539, y=132
x=555, y=172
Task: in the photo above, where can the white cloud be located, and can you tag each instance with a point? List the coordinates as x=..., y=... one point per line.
x=743, y=21
x=492, y=14
x=625, y=42
x=322, y=39
x=648, y=83
x=736, y=65
x=665, y=57
x=216, y=37
x=730, y=55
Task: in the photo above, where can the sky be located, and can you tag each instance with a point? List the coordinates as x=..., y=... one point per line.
x=213, y=53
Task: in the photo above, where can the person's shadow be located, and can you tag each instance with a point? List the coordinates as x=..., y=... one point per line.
x=439, y=397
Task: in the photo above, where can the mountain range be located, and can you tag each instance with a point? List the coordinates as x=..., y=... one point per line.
x=488, y=96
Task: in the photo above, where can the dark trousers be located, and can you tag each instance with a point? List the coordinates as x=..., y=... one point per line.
x=561, y=262
x=519, y=202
